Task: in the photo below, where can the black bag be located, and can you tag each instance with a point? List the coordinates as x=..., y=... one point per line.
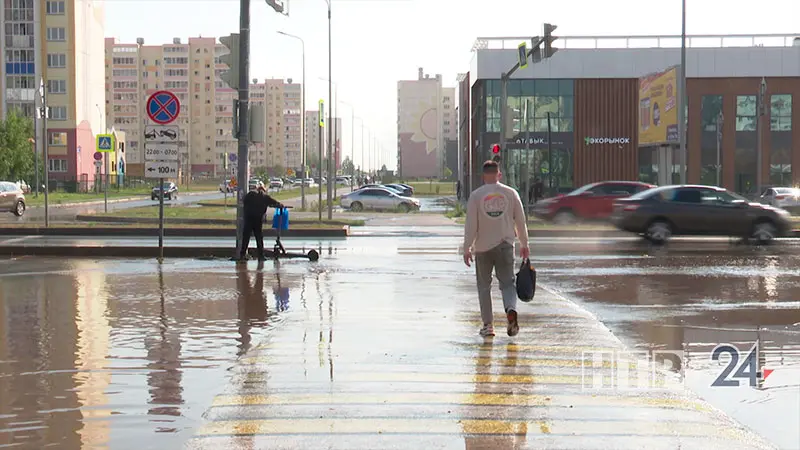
x=526, y=281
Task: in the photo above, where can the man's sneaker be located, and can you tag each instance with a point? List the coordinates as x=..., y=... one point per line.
x=487, y=331
x=513, y=325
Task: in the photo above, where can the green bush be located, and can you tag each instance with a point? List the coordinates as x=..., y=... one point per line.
x=457, y=211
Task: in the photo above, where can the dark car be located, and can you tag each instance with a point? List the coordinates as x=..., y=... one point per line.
x=396, y=190
x=407, y=191
x=663, y=212
x=170, y=191
x=591, y=202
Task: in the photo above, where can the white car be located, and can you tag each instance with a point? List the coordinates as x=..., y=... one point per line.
x=781, y=197
x=276, y=183
x=378, y=198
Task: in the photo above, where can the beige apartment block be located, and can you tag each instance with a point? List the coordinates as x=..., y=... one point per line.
x=426, y=120
x=189, y=70
x=282, y=124
x=58, y=43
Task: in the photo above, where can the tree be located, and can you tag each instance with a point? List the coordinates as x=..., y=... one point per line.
x=347, y=166
x=17, y=159
x=447, y=173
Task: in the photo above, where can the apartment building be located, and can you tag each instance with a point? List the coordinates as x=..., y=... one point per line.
x=312, y=139
x=57, y=43
x=426, y=120
x=293, y=134
x=189, y=70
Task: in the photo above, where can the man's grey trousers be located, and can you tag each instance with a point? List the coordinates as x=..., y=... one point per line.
x=501, y=260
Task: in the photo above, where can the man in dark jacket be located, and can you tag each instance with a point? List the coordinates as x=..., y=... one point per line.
x=255, y=208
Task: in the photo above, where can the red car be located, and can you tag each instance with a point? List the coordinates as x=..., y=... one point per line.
x=594, y=201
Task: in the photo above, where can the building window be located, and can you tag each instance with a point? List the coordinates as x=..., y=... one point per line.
x=57, y=34
x=58, y=113
x=57, y=138
x=780, y=168
x=55, y=7
x=56, y=60
x=58, y=165
x=745, y=113
x=781, y=112
x=56, y=86
x=711, y=138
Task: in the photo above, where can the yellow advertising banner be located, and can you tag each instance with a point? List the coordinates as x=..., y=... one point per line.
x=658, y=108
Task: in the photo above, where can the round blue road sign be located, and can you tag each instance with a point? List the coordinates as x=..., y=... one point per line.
x=163, y=107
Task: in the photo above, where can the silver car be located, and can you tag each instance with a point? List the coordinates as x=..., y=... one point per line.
x=781, y=197
x=378, y=198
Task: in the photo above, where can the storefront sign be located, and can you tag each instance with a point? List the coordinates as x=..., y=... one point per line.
x=606, y=140
x=539, y=141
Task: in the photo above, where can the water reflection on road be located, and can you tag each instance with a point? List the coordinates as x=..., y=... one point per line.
x=143, y=345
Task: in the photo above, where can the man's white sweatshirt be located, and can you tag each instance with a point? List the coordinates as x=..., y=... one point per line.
x=494, y=215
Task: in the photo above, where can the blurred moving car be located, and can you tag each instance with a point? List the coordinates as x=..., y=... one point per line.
x=663, y=212
x=275, y=183
x=378, y=198
x=169, y=190
x=591, y=202
x=12, y=199
x=781, y=197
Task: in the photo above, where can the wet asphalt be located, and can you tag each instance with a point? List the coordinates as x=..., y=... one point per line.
x=376, y=346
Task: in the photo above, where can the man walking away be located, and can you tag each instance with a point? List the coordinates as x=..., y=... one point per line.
x=255, y=208
x=495, y=216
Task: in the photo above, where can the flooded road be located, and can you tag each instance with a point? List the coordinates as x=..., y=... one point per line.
x=129, y=354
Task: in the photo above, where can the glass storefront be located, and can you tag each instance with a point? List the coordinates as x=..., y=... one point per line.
x=529, y=102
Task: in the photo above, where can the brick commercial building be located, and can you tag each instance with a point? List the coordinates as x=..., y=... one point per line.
x=613, y=111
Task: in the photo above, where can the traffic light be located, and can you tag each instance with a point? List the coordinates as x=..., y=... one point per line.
x=496, y=153
x=231, y=59
x=523, y=55
x=548, y=40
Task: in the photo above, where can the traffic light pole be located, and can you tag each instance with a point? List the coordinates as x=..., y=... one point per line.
x=243, y=122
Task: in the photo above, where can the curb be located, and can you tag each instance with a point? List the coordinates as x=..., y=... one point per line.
x=110, y=201
x=332, y=232
x=88, y=251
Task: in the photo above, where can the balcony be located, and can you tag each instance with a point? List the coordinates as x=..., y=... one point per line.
x=21, y=42
x=20, y=95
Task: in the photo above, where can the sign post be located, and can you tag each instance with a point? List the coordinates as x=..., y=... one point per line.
x=105, y=145
x=161, y=149
x=319, y=170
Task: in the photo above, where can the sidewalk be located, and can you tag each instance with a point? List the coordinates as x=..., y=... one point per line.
x=369, y=374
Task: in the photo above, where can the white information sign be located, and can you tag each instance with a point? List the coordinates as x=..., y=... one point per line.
x=161, y=169
x=160, y=151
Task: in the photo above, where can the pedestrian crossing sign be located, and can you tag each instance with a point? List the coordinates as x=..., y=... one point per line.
x=105, y=143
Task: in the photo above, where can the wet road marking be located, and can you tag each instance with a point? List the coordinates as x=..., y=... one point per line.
x=462, y=427
x=20, y=239
x=402, y=364
x=294, y=347
x=465, y=399
x=440, y=378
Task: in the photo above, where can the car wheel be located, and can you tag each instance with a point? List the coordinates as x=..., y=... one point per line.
x=764, y=232
x=356, y=206
x=564, y=218
x=19, y=210
x=659, y=232
x=404, y=208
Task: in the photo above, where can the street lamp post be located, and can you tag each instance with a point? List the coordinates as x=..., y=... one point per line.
x=332, y=114
x=682, y=103
x=302, y=120
x=46, y=158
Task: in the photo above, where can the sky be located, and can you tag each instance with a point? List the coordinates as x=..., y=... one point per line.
x=376, y=43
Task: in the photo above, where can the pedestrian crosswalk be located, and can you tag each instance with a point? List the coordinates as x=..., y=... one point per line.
x=418, y=377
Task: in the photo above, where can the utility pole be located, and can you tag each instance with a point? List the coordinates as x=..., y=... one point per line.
x=46, y=162
x=549, y=155
x=330, y=117
x=682, y=103
x=719, y=144
x=762, y=110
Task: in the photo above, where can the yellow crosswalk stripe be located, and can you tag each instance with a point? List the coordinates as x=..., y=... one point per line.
x=464, y=427
x=482, y=399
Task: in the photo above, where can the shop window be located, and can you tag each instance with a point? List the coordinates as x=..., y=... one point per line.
x=546, y=87
x=745, y=113
x=566, y=88
x=781, y=112
x=711, y=138
x=780, y=172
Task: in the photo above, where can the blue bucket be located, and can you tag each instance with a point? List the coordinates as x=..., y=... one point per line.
x=280, y=220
